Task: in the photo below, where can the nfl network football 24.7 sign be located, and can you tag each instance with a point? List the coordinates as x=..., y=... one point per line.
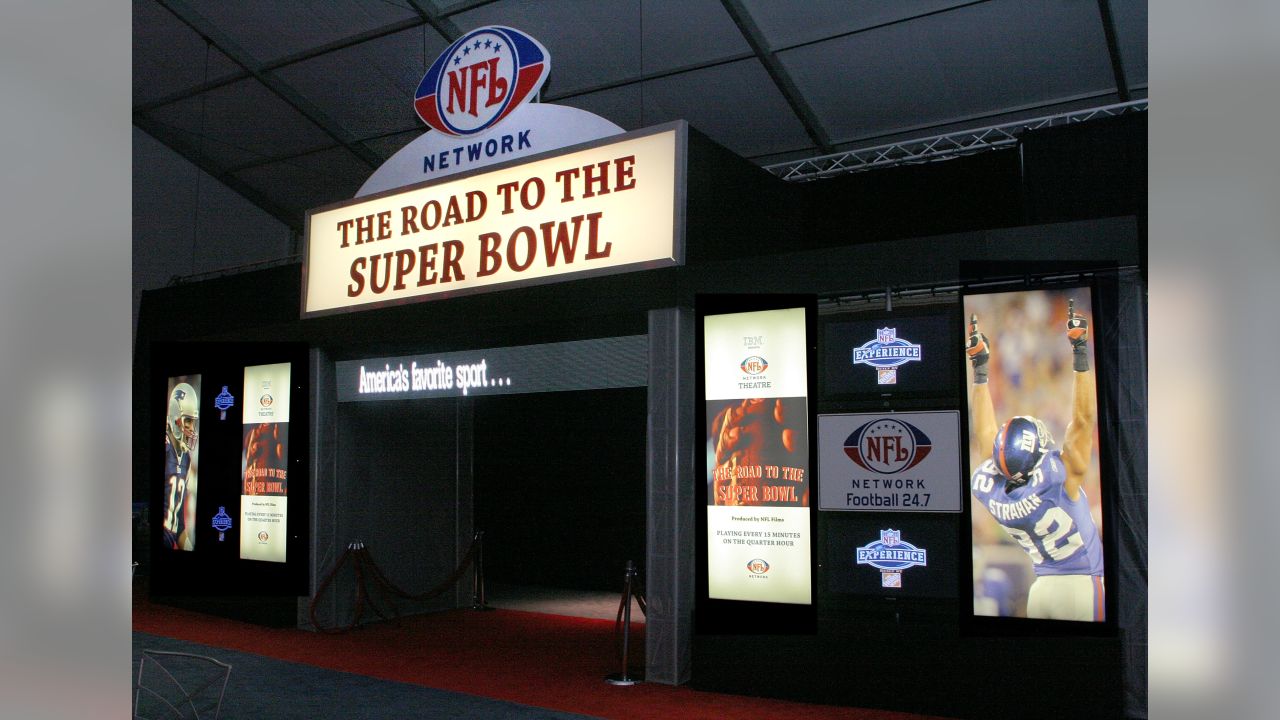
x=899, y=461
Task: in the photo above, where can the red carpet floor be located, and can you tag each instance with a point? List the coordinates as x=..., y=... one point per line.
x=542, y=660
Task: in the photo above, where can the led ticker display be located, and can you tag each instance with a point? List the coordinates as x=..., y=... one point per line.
x=757, y=473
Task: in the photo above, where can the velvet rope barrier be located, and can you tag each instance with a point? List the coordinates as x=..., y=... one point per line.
x=367, y=572
x=630, y=589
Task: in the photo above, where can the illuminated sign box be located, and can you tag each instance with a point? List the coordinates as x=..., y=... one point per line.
x=758, y=479
x=890, y=461
x=607, y=207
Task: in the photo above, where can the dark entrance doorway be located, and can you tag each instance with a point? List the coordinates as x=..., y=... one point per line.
x=560, y=486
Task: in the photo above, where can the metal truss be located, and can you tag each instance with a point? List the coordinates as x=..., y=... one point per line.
x=938, y=147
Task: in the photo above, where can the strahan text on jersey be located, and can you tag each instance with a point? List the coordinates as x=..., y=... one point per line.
x=1059, y=535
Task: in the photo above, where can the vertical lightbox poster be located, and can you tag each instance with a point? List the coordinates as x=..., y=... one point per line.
x=264, y=493
x=757, y=445
x=181, y=462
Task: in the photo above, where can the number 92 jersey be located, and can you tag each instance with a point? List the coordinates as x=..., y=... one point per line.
x=1059, y=535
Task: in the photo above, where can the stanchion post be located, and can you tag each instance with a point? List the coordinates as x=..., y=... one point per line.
x=478, y=601
x=624, y=678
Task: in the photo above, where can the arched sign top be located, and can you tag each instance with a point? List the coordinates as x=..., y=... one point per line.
x=480, y=79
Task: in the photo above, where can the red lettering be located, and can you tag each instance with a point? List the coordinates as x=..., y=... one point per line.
x=344, y=226
x=453, y=214
x=498, y=86
x=384, y=225
x=490, y=260
x=624, y=178
x=477, y=203
x=380, y=287
x=405, y=261
x=457, y=90
x=875, y=449
x=505, y=191
x=427, y=261
x=531, y=245
x=566, y=178
x=453, y=261
x=562, y=242
x=357, y=276
x=594, y=251
x=364, y=229
x=408, y=219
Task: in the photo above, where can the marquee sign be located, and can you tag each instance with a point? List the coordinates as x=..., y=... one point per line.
x=611, y=206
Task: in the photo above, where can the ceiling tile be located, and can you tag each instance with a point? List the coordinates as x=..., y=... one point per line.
x=681, y=33
x=368, y=88
x=591, y=43
x=1130, y=19
x=737, y=105
x=169, y=57
x=620, y=105
x=987, y=59
x=785, y=24
x=308, y=181
x=388, y=145
x=280, y=28
x=242, y=122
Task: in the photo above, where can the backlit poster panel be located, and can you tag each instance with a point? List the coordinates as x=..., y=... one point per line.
x=757, y=445
x=181, y=462
x=264, y=501
x=1036, y=516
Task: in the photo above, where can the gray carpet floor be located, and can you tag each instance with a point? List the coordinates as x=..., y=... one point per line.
x=262, y=688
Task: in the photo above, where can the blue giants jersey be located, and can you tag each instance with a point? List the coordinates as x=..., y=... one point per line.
x=1057, y=533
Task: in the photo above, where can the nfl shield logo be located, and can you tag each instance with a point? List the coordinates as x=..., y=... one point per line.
x=886, y=335
x=890, y=537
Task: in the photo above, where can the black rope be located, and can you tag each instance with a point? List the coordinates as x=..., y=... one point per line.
x=367, y=572
x=630, y=589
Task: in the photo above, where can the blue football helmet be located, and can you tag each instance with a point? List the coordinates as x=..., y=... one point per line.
x=1020, y=447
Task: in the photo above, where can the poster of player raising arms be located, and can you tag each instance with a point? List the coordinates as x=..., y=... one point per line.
x=181, y=462
x=1036, y=515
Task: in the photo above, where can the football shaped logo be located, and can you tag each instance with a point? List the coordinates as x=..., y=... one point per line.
x=754, y=365
x=887, y=446
x=480, y=79
x=757, y=567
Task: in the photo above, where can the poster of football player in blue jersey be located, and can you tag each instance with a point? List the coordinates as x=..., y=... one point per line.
x=1036, y=509
x=181, y=462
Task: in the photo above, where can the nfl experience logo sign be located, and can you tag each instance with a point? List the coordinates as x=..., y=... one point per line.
x=886, y=353
x=891, y=555
x=480, y=79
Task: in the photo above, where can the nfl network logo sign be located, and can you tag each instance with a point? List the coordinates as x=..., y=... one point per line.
x=891, y=555
x=480, y=79
x=886, y=353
